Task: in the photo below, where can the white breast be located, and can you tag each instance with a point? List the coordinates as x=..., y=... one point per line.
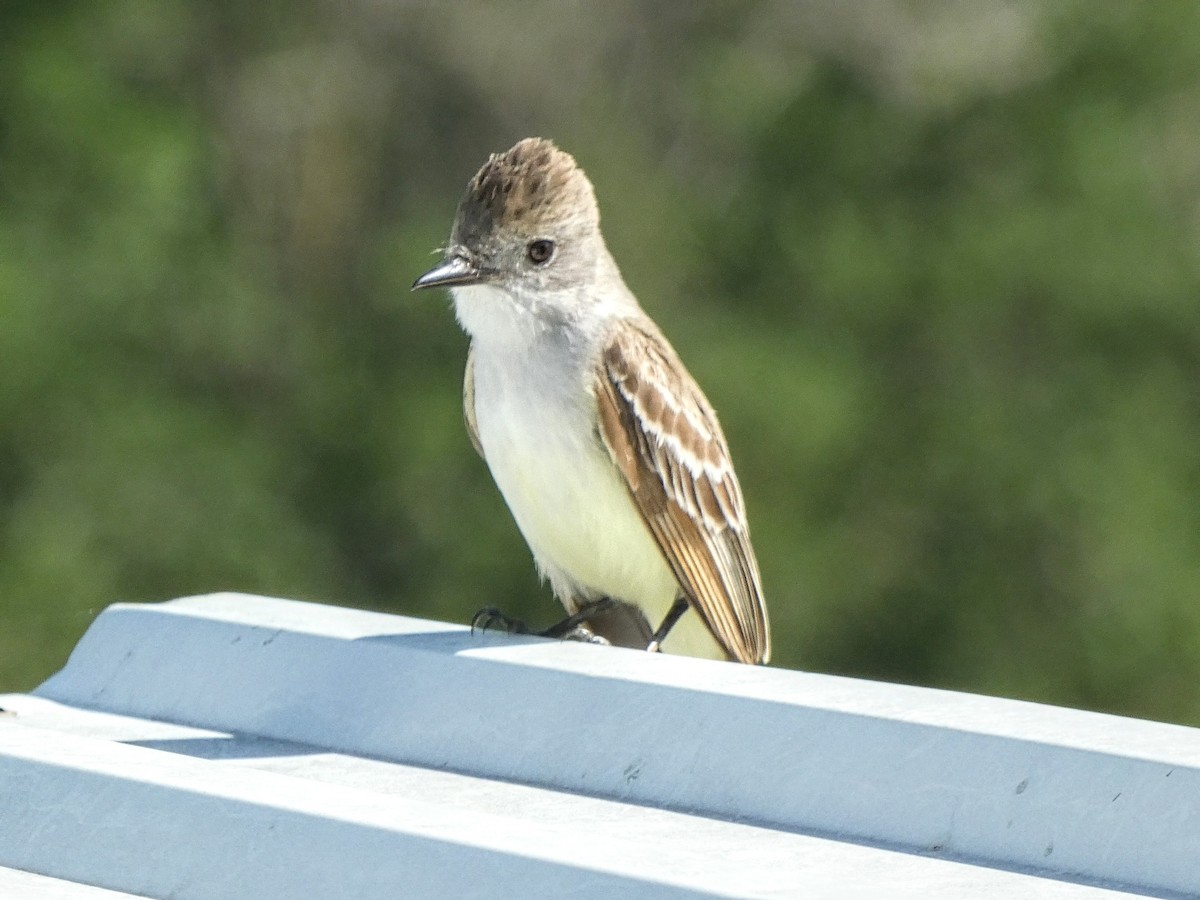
x=536, y=420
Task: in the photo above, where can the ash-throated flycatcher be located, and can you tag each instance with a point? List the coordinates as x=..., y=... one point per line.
x=606, y=451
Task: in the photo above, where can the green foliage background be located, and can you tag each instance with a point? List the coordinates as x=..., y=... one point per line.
x=936, y=264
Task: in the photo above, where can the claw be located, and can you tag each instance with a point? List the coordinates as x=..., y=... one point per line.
x=572, y=628
x=491, y=617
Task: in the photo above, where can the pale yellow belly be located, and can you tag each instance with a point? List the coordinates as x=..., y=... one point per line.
x=575, y=512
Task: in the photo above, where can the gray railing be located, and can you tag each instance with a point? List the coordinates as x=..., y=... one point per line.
x=238, y=746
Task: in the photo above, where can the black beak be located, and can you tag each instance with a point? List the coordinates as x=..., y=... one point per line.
x=454, y=270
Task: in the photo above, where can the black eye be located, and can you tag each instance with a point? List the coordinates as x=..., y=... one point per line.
x=540, y=251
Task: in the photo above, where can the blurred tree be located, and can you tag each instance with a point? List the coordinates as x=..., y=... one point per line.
x=999, y=294
x=938, y=259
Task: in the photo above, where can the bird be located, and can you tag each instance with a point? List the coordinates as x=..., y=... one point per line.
x=605, y=450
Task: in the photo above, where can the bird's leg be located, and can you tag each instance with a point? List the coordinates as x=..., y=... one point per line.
x=574, y=626
x=678, y=608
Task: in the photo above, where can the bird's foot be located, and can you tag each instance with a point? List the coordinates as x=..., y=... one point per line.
x=491, y=617
x=583, y=634
x=578, y=620
x=572, y=628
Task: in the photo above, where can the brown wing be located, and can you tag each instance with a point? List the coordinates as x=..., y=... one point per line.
x=469, y=402
x=664, y=437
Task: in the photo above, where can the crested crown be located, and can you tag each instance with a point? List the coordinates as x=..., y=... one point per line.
x=529, y=186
